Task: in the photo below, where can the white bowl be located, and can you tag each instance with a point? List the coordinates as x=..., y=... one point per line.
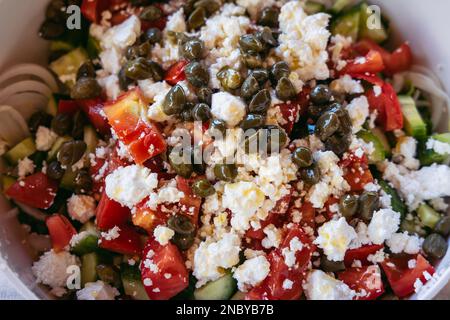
x=425, y=26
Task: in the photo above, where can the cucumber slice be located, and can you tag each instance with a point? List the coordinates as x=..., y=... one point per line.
x=312, y=7
x=383, y=139
x=132, y=283
x=379, y=34
x=220, y=289
x=86, y=245
x=339, y=5
x=396, y=202
x=238, y=296
x=379, y=153
x=23, y=149
x=347, y=24
x=414, y=124
x=89, y=264
x=428, y=157
x=91, y=139
x=56, y=146
x=428, y=216
x=68, y=180
x=67, y=66
x=7, y=182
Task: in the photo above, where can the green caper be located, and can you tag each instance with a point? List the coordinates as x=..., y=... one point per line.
x=197, y=160
x=210, y=6
x=279, y=70
x=138, y=50
x=186, y=114
x=85, y=88
x=285, y=90
x=320, y=95
x=443, y=226
x=124, y=81
x=86, y=70
x=197, y=74
x=250, y=42
x=83, y=181
x=197, y=18
x=181, y=162
x=192, y=49
x=71, y=152
x=266, y=36
x=203, y=188
x=435, y=246
x=348, y=205
x=153, y=35
x=338, y=143
x=37, y=119
x=260, y=102
x=345, y=127
x=310, y=175
x=174, y=101
x=204, y=95
x=79, y=121
x=327, y=125
x=55, y=170
x=315, y=111
x=142, y=68
x=331, y=266
x=253, y=121
x=270, y=138
x=201, y=112
x=261, y=75
x=229, y=78
x=218, y=125
x=108, y=274
x=249, y=87
x=62, y=124
x=184, y=231
x=151, y=13
x=225, y=171
x=302, y=157
x=269, y=17
x=368, y=203
x=252, y=60
x=51, y=30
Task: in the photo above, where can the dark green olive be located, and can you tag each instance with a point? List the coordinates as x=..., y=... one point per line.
x=201, y=112
x=331, y=266
x=260, y=102
x=109, y=274
x=184, y=231
x=51, y=30
x=192, y=49
x=174, y=101
x=71, y=152
x=279, y=70
x=253, y=121
x=348, y=205
x=338, y=143
x=269, y=17
x=79, y=121
x=197, y=74
x=85, y=88
x=151, y=13
x=225, y=172
x=249, y=87
x=153, y=35
x=285, y=90
x=124, y=81
x=210, y=6
x=142, y=68
x=55, y=170
x=62, y=124
x=443, y=226
x=83, y=181
x=229, y=78
x=368, y=203
x=37, y=119
x=310, y=175
x=266, y=36
x=435, y=246
x=250, y=42
x=218, y=125
x=138, y=50
x=315, y=111
x=327, y=125
x=197, y=18
x=181, y=162
x=302, y=157
x=252, y=60
x=203, y=188
x=86, y=70
x=261, y=75
x=320, y=95
x=204, y=95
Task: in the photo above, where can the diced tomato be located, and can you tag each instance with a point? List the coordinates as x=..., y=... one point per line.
x=371, y=63
x=308, y=214
x=159, y=24
x=361, y=254
x=272, y=218
x=111, y=213
x=356, y=172
x=93, y=108
x=397, y=61
x=388, y=107
x=401, y=277
x=329, y=213
x=293, y=110
x=148, y=219
x=61, y=231
x=36, y=190
x=190, y=201
x=92, y=9
x=128, y=241
x=366, y=281
x=372, y=79
x=176, y=73
x=158, y=262
x=68, y=106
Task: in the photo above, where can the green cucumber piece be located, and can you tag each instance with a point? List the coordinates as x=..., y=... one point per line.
x=238, y=296
x=379, y=153
x=91, y=139
x=312, y=7
x=66, y=67
x=7, y=182
x=377, y=35
x=132, y=282
x=428, y=216
x=396, y=202
x=89, y=263
x=339, y=5
x=347, y=24
x=413, y=122
x=220, y=289
x=23, y=149
x=379, y=133
x=52, y=154
x=68, y=180
x=412, y=227
x=428, y=157
x=86, y=245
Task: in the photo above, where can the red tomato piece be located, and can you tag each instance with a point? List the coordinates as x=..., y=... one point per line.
x=93, y=108
x=371, y=63
x=356, y=172
x=401, y=277
x=366, y=281
x=92, y=9
x=68, y=106
x=176, y=73
x=36, y=190
x=128, y=241
x=190, y=203
x=293, y=110
x=389, y=110
x=272, y=218
x=111, y=213
x=361, y=254
x=61, y=231
x=158, y=262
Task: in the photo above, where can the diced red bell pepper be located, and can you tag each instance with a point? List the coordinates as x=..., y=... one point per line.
x=61, y=231
x=366, y=281
x=93, y=108
x=361, y=254
x=371, y=63
x=176, y=73
x=111, y=213
x=128, y=242
x=36, y=190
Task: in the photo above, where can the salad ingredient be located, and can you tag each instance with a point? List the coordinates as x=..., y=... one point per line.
x=220, y=289
x=61, y=231
x=435, y=246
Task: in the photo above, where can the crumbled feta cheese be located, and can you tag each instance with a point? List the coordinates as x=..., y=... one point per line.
x=163, y=234
x=122, y=35
x=97, y=291
x=176, y=22
x=155, y=111
x=338, y=44
x=406, y=150
x=287, y=284
x=358, y=110
x=402, y=242
x=25, y=167
x=377, y=257
x=438, y=146
x=255, y=6
x=81, y=207
x=384, y=224
x=345, y=84
x=252, y=272
x=362, y=236
x=295, y=245
x=167, y=194
x=439, y=204
x=79, y=237
x=111, y=234
x=228, y=108
x=321, y=286
x=152, y=89
x=273, y=237
x=45, y=138
x=111, y=85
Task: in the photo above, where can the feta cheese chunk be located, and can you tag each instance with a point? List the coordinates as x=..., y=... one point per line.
x=228, y=108
x=438, y=146
x=97, y=291
x=81, y=207
x=345, y=84
x=152, y=89
x=403, y=242
x=384, y=224
x=321, y=286
x=130, y=185
x=25, y=167
x=176, y=22
x=122, y=35
x=163, y=234
x=334, y=238
x=252, y=272
x=255, y=6
x=358, y=110
x=45, y=138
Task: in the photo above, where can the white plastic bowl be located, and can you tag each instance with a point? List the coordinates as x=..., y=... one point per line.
x=423, y=24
